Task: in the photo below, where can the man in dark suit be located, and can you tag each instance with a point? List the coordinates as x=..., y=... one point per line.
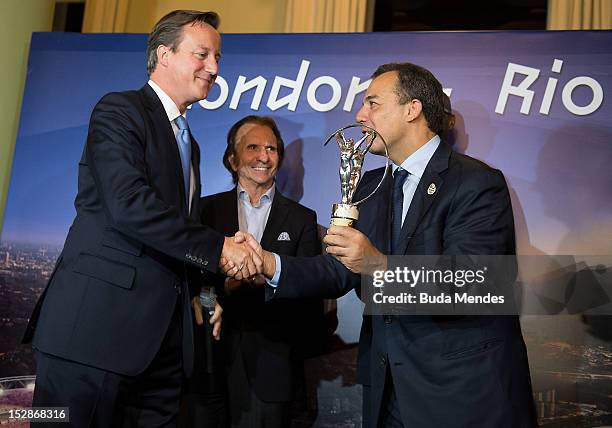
x=261, y=345
x=112, y=329
x=422, y=371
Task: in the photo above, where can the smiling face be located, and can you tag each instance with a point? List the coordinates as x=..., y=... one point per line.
x=255, y=159
x=188, y=73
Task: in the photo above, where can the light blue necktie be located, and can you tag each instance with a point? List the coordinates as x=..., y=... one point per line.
x=397, y=202
x=184, y=143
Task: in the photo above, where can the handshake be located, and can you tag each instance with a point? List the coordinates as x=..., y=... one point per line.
x=242, y=258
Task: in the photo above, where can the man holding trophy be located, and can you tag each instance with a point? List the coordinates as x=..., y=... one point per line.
x=418, y=371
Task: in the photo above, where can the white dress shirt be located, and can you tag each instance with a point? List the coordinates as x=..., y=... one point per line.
x=173, y=112
x=253, y=218
x=415, y=164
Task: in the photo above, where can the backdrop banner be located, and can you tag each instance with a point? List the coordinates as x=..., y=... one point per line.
x=534, y=104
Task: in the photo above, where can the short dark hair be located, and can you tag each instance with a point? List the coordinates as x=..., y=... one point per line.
x=416, y=82
x=169, y=31
x=231, y=140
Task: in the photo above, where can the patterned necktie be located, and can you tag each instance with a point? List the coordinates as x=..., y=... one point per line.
x=184, y=144
x=397, y=202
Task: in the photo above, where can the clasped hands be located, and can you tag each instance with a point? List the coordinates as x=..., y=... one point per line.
x=349, y=246
x=243, y=259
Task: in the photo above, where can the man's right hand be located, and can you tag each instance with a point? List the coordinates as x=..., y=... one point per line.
x=239, y=260
x=267, y=258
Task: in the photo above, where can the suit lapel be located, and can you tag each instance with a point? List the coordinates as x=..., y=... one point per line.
x=278, y=213
x=197, y=189
x=426, y=192
x=227, y=213
x=163, y=129
x=385, y=213
x=374, y=213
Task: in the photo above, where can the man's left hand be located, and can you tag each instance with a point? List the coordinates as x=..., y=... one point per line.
x=354, y=250
x=215, y=318
x=215, y=321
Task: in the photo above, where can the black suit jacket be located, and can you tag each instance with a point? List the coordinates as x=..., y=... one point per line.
x=266, y=338
x=447, y=371
x=131, y=247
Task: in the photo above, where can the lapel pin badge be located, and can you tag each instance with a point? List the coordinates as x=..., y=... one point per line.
x=431, y=189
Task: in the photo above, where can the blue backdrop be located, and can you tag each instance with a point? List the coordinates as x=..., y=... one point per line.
x=533, y=104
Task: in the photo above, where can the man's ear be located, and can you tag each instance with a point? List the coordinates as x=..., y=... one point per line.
x=413, y=110
x=162, y=55
x=232, y=161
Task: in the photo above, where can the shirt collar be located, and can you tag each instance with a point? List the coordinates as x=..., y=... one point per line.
x=268, y=196
x=171, y=109
x=416, y=163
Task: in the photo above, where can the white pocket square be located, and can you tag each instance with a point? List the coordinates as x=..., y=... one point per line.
x=284, y=236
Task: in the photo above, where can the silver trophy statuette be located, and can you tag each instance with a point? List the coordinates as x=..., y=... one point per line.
x=352, y=155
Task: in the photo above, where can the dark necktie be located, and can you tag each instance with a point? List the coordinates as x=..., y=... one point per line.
x=184, y=143
x=397, y=202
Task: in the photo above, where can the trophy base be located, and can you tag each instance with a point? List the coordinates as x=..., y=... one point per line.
x=344, y=215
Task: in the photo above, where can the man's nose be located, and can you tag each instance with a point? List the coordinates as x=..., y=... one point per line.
x=212, y=66
x=262, y=154
x=361, y=116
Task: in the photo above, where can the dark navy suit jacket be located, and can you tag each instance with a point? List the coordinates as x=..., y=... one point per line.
x=132, y=246
x=469, y=371
x=269, y=341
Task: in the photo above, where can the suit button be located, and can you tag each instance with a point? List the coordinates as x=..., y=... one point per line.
x=388, y=319
x=177, y=288
x=383, y=361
